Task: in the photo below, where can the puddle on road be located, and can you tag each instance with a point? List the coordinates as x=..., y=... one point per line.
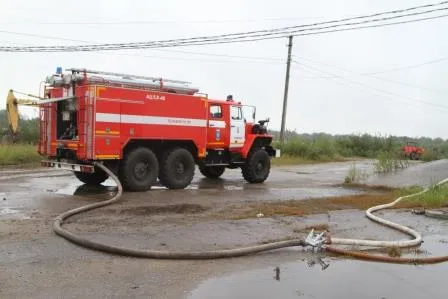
x=215, y=187
x=335, y=278
x=13, y=213
x=79, y=189
x=305, y=193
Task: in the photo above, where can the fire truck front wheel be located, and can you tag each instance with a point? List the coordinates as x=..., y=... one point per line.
x=415, y=156
x=257, y=167
x=177, y=168
x=139, y=170
x=95, y=178
x=212, y=172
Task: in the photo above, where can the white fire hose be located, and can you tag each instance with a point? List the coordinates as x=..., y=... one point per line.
x=322, y=240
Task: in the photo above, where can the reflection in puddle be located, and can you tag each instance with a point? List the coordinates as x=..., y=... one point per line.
x=79, y=189
x=233, y=188
x=311, y=192
x=84, y=190
x=345, y=278
x=12, y=213
x=6, y=211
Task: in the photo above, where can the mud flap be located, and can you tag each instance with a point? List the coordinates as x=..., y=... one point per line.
x=271, y=151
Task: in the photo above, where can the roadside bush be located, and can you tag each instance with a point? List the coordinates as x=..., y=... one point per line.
x=355, y=175
x=320, y=148
x=430, y=155
x=389, y=161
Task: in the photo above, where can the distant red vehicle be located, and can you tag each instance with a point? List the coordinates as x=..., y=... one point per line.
x=412, y=151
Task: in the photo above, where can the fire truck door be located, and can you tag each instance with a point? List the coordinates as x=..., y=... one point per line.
x=237, y=127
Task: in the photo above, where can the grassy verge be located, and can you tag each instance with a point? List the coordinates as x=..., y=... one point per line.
x=18, y=154
x=436, y=197
x=376, y=195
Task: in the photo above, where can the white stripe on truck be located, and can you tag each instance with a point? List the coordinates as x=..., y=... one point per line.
x=149, y=120
x=216, y=123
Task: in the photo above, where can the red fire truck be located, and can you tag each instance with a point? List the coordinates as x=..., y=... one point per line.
x=144, y=128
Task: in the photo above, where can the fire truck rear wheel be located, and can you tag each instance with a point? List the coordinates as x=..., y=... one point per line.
x=257, y=167
x=139, y=170
x=177, y=168
x=95, y=178
x=212, y=172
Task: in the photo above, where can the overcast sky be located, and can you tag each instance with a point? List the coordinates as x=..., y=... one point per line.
x=331, y=89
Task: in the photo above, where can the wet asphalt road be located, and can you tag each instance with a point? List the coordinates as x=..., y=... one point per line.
x=35, y=263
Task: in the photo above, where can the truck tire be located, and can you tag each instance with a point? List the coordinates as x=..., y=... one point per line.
x=257, y=167
x=139, y=170
x=177, y=168
x=212, y=172
x=95, y=178
x=414, y=156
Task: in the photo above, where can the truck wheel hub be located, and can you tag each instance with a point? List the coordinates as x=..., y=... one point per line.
x=180, y=168
x=141, y=170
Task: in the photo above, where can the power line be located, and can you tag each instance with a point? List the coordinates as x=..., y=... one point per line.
x=191, y=59
x=387, y=70
x=222, y=55
x=270, y=36
x=163, y=22
x=164, y=50
x=42, y=36
x=407, y=66
x=395, y=96
x=247, y=36
x=372, y=76
x=178, y=43
x=253, y=58
x=241, y=59
x=396, y=11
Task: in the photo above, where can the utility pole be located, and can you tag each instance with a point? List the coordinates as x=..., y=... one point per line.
x=285, y=96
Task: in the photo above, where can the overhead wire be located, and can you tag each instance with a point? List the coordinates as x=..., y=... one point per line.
x=280, y=35
x=245, y=20
x=396, y=69
x=256, y=58
x=371, y=76
x=392, y=95
x=292, y=30
x=395, y=96
x=298, y=30
x=253, y=59
x=152, y=22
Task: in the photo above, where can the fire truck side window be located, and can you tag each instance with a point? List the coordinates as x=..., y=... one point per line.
x=215, y=111
x=236, y=112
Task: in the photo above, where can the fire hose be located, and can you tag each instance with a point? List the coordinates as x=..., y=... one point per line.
x=321, y=241
x=224, y=253
x=398, y=244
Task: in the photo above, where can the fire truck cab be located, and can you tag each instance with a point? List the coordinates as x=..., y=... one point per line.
x=146, y=128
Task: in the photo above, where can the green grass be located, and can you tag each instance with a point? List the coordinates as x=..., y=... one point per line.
x=386, y=149
x=436, y=197
x=355, y=175
x=389, y=161
x=18, y=154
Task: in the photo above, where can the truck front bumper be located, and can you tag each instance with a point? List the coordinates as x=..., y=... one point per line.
x=68, y=166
